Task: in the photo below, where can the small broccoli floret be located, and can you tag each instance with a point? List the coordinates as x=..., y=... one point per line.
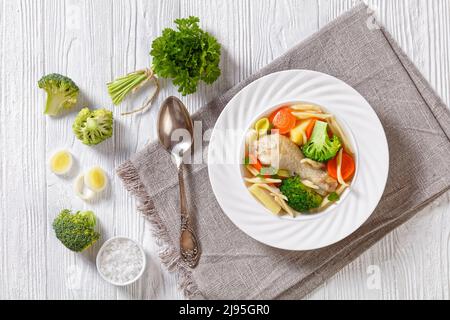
x=300, y=197
x=320, y=147
x=76, y=231
x=93, y=126
x=62, y=93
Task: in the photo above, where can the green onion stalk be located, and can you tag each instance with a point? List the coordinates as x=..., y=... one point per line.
x=130, y=83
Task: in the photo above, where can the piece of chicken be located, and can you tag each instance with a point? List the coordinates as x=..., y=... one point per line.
x=280, y=152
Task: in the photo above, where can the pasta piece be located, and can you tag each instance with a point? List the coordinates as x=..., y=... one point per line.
x=327, y=202
x=259, y=180
x=338, y=170
x=304, y=137
x=306, y=107
x=278, y=195
x=252, y=170
x=285, y=207
x=265, y=198
x=308, y=115
x=337, y=130
x=312, y=163
x=275, y=191
x=309, y=184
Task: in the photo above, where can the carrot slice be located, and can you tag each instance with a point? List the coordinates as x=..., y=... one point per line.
x=273, y=114
x=284, y=121
x=347, y=167
x=309, y=129
x=254, y=162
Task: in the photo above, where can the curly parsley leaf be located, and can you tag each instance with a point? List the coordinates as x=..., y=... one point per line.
x=187, y=55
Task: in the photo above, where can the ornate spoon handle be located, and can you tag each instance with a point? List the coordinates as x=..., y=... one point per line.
x=189, y=246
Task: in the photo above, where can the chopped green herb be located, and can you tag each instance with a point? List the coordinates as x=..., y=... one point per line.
x=333, y=197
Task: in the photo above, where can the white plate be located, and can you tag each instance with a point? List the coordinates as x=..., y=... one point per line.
x=306, y=232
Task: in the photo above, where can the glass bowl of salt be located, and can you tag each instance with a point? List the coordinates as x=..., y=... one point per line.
x=121, y=261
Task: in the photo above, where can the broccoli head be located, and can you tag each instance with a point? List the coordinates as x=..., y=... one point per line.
x=76, y=231
x=62, y=93
x=93, y=126
x=300, y=197
x=320, y=147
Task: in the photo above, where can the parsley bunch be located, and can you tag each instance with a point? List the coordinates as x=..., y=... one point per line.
x=187, y=55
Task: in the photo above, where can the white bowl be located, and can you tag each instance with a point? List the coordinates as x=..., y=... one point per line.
x=144, y=261
x=356, y=116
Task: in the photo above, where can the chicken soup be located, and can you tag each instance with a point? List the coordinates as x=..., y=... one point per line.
x=298, y=160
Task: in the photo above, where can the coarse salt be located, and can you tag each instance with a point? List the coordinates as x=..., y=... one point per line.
x=121, y=260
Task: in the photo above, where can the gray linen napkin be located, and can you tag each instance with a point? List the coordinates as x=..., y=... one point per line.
x=233, y=265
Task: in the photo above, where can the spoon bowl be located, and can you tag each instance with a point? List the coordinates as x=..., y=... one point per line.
x=175, y=128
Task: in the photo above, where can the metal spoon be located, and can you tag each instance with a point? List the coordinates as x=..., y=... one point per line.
x=174, y=122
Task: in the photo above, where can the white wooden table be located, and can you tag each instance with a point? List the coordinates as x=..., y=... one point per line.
x=94, y=41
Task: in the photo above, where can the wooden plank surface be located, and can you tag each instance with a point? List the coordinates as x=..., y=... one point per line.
x=95, y=41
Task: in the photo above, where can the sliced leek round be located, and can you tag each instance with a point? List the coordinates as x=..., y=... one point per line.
x=262, y=126
x=96, y=179
x=61, y=162
x=81, y=190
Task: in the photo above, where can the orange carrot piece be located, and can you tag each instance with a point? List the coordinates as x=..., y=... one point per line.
x=273, y=114
x=253, y=161
x=347, y=167
x=284, y=121
x=309, y=129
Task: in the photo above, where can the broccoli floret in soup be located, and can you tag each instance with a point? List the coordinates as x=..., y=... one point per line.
x=320, y=147
x=300, y=197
